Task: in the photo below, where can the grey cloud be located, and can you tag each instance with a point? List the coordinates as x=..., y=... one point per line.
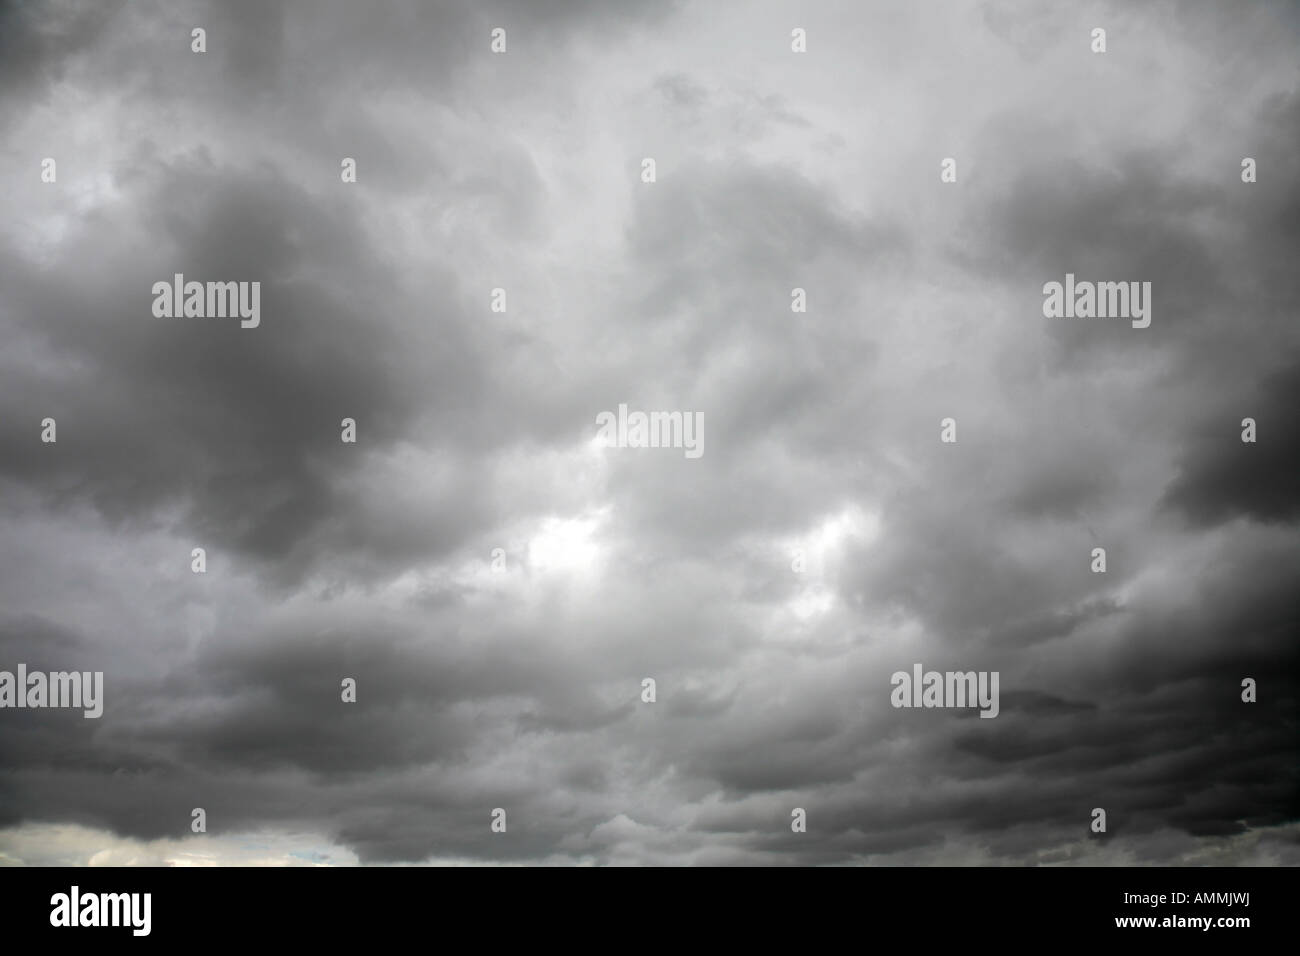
x=519, y=687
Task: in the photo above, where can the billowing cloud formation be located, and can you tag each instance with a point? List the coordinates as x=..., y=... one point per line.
x=497, y=584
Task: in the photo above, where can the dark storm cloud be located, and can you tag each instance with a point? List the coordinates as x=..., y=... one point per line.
x=46, y=740
x=1216, y=251
x=37, y=38
x=242, y=432
x=519, y=687
x=264, y=717
x=1220, y=479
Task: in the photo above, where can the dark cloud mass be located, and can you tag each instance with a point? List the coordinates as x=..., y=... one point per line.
x=498, y=584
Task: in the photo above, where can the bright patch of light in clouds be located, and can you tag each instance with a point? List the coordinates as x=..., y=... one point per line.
x=567, y=546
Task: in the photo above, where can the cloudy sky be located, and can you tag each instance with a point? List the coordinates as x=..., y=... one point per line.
x=519, y=687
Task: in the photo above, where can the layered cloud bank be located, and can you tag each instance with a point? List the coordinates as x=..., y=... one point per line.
x=500, y=579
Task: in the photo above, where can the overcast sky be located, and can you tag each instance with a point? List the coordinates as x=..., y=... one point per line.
x=520, y=688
